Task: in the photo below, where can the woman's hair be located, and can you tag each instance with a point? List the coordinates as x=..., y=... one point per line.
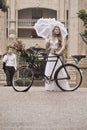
x=59, y=36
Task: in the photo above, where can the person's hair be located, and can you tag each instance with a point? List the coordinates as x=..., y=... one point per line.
x=59, y=36
x=9, y=48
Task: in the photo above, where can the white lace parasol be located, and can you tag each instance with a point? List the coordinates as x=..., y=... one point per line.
x=44, y=27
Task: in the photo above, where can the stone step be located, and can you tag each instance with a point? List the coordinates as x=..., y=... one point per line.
x=2, y=83
x=1, y=65
x=2, y=74
x=1, y=71
x=2, y=77
x=1, y=62
x=36, y=83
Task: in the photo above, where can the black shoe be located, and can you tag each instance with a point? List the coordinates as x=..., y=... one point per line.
x=5, y=85
x=8, y=85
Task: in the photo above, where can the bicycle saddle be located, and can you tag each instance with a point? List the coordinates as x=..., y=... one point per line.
x=78, y=57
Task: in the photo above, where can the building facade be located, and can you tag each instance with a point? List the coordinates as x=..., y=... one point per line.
x=21, y=16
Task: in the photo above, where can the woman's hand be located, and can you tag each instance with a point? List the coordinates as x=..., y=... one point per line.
x=52, y=51
x=58, y=52
x=55, y=51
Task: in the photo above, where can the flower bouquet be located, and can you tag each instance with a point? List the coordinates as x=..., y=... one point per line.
x=18, y=46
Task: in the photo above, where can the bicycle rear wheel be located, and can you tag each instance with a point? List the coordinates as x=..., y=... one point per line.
x=68, y=77
x=23, y=79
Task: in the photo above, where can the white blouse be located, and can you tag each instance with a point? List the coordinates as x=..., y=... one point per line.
x=10, y=60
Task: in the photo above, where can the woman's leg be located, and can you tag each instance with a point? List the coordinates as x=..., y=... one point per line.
x=51, y=85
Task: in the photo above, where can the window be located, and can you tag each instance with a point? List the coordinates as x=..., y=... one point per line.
x=27, y=33
x=37, y=13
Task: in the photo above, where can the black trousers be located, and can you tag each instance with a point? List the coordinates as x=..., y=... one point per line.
x=9, y=71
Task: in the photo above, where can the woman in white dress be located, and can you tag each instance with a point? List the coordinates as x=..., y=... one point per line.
x=56, y=45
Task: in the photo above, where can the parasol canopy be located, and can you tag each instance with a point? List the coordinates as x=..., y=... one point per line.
x=44, y=27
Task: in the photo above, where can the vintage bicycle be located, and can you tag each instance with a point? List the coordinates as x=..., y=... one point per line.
x=24, y=76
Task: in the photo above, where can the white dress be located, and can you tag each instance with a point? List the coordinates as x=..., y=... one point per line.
x=51, y=85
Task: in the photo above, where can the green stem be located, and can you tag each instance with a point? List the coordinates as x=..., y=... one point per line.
x=83, y=38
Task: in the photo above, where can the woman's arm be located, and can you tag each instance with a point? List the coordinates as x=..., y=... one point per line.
x=47, y=43
x=60, y=51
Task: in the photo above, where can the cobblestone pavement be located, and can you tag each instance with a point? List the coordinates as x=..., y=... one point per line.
x=38, y=109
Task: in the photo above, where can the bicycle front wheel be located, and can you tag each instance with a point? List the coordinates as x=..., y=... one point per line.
x=68, y=77
x=23, y=79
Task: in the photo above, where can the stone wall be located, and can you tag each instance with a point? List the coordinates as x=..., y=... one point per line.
x=2, y=33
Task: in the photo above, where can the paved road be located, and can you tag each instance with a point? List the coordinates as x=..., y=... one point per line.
x=38, y=109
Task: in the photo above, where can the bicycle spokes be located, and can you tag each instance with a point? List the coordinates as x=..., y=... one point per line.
x=68, y=77
x=23, y=79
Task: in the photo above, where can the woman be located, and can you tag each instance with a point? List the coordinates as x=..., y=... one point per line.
x=56, y=45
x=10, y=65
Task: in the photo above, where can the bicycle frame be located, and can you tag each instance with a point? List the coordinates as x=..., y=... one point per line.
x=50, y=77
x=67, y=75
